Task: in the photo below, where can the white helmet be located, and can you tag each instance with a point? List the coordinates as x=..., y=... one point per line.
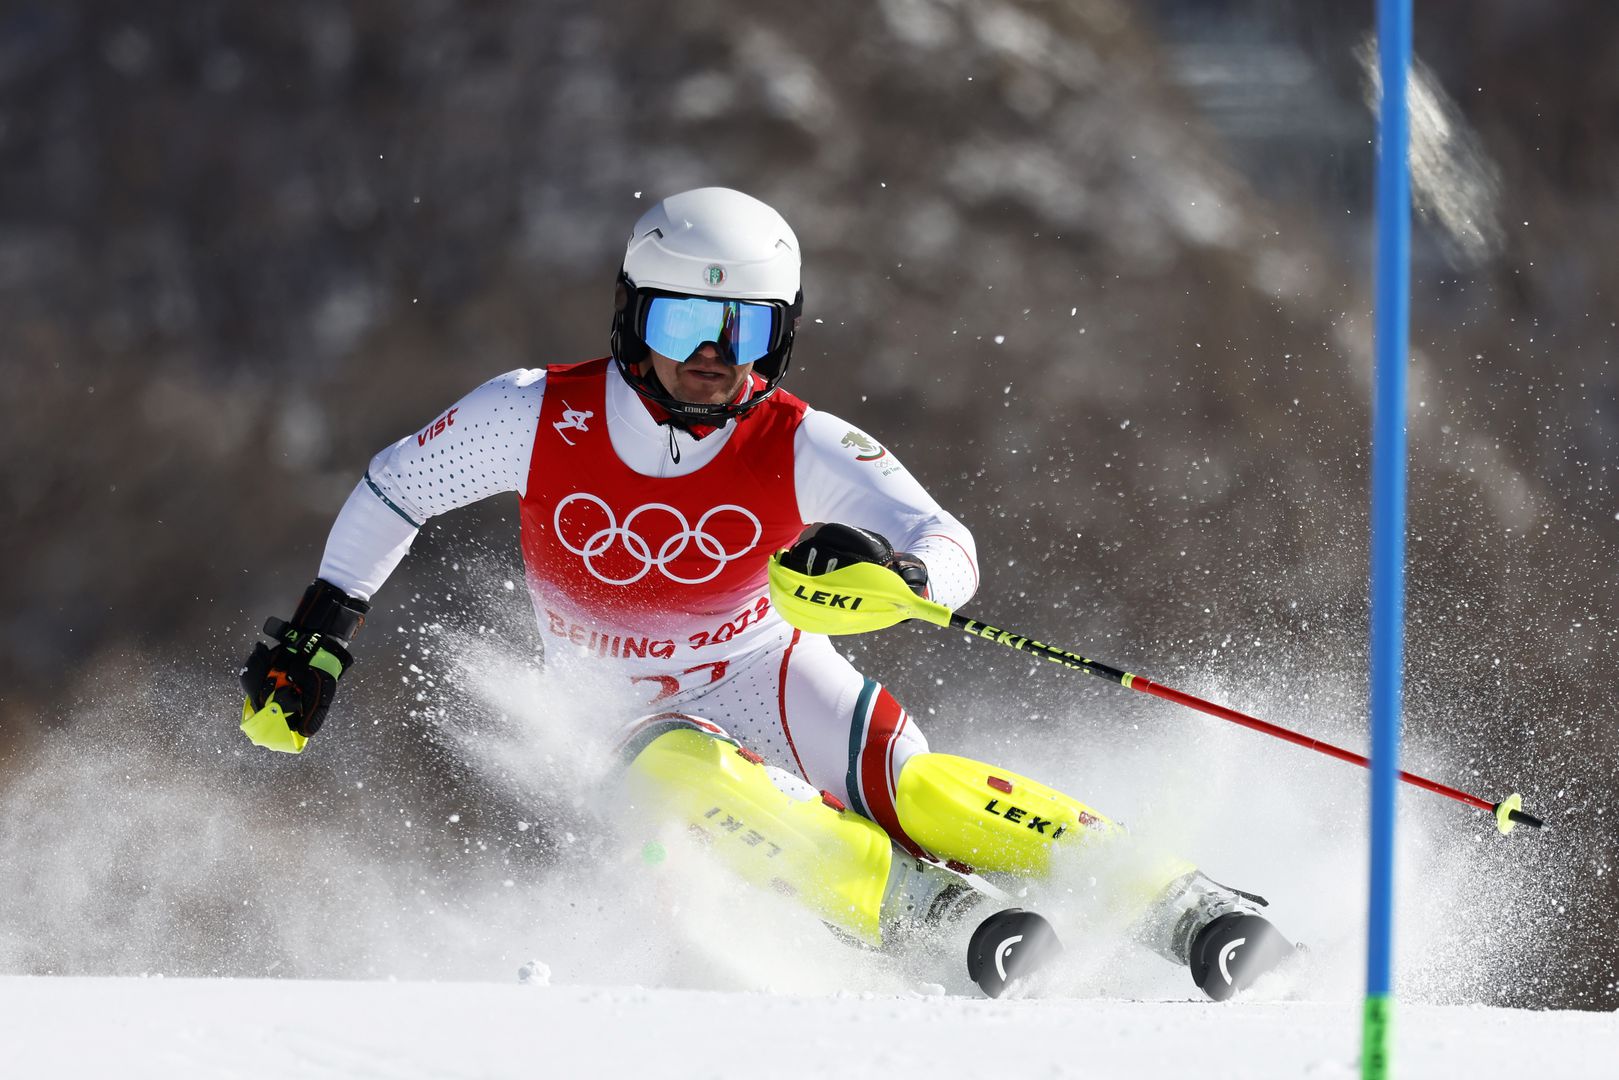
x=709, y=243
x=714, y=242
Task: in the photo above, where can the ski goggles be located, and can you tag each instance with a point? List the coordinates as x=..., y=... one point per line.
x=744, y=331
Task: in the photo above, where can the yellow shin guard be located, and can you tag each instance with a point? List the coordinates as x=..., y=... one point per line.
x=996, y=820
x=988, y=817
x=835, y=862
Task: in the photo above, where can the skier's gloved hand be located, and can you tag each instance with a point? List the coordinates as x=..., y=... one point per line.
x=825, y=546
x=289, y=687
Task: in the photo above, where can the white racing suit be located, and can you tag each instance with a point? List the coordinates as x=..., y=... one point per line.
x=645, y=550
x=645, y=547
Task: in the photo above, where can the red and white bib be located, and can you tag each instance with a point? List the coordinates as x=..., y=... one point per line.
x=659, y=572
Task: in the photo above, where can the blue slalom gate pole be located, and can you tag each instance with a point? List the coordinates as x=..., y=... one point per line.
x=1393, y=319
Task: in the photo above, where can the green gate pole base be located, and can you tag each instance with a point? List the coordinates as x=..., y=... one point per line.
x=1374, y=1042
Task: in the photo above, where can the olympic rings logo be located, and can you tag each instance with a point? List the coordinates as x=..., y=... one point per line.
x=639, y=550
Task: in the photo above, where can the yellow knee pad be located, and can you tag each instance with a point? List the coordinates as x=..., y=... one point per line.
x=988, y=817
x=835, y=862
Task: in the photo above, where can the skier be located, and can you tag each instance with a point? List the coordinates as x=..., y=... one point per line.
x=655, y=484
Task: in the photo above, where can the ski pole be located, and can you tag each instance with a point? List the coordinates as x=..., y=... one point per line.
x=1508, y=812
x=861, y=597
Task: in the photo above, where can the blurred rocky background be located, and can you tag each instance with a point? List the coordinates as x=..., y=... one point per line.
x=1098, y=272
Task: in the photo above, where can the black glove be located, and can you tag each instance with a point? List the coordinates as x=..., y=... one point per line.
x=300, y=673
x=825, y=546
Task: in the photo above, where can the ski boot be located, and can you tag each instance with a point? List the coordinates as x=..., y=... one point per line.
x=1217, y=933
x=928, y=902
x=1234, y=950
x=923, y=900
x=1008, y=946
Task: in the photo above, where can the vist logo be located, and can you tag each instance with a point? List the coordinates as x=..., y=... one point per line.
x=572, y=420
x=654, y=536
x=438, y=427
x=865, y=449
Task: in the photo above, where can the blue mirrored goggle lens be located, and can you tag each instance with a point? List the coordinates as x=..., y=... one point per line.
x=678, y=326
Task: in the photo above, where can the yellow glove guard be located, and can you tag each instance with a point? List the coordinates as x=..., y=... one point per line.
x=268, y=728
x=852, y=599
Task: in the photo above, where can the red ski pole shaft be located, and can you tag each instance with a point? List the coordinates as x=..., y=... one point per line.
x=1506, y=812
x=1179, y=697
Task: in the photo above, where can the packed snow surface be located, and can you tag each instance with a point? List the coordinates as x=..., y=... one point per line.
x=391, y=914
x=171, y=1028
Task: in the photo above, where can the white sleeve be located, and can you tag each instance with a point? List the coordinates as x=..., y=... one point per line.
x=480, y=447
x=843, y=474
x=365, y=544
